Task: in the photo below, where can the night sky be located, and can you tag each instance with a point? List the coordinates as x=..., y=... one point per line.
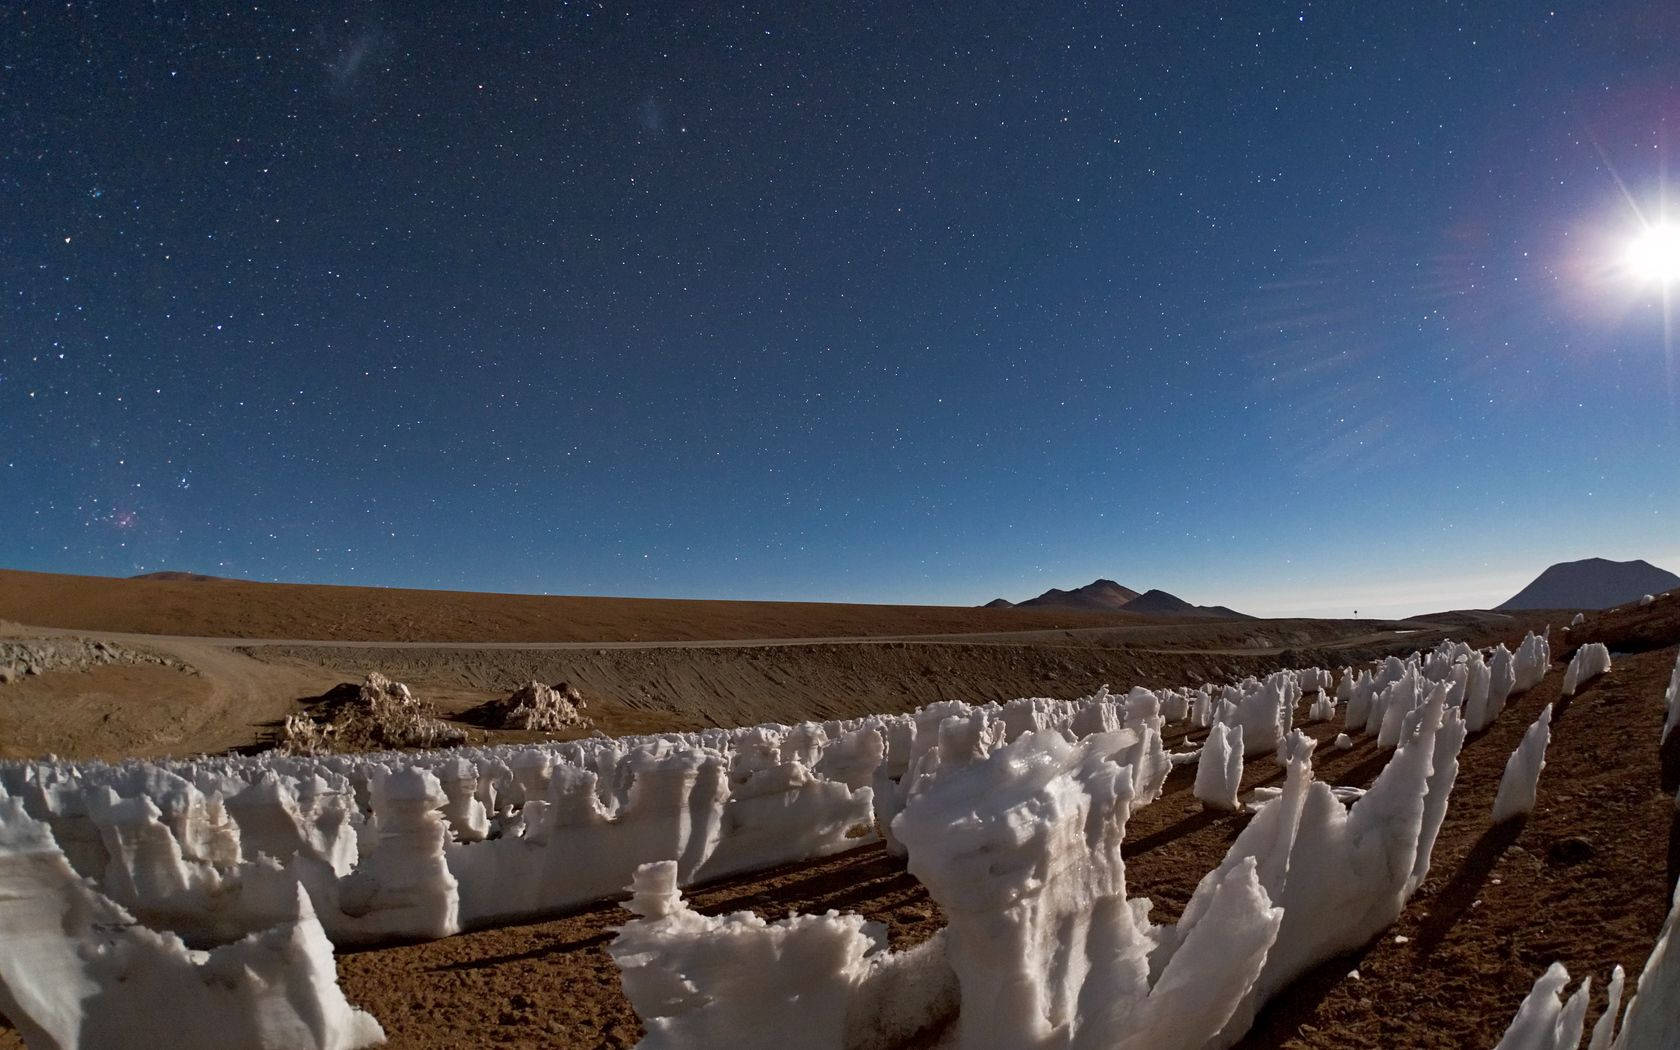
x=1289, y=307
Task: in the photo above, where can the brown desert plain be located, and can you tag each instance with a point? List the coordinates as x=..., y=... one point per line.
x=1583, y=881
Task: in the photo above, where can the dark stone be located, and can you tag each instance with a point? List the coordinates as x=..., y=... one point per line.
x=1571, y=849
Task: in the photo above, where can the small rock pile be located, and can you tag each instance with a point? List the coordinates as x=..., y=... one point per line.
x=18, y=659
x=537, y=707
x=377, y=715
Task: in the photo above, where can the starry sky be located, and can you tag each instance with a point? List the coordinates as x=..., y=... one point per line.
x=1296, y=308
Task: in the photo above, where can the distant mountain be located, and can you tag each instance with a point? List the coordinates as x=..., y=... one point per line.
x=1098, y=594
x=1592, y=583
x=1108, y=596
x=1158, y=601
x=1161, y=603
x=999, y=603
x=172, y=575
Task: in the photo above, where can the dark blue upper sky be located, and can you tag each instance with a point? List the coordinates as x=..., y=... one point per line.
x=1283, y=306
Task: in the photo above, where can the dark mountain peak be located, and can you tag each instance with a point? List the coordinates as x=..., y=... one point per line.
x=1592, y=583
x=1098, y=594
x=1104, y=594
x=1158, y=601
x=999, y=603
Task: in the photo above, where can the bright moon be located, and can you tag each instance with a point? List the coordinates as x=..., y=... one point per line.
x=1655, y=254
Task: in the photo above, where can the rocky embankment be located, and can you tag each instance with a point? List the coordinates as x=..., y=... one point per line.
x=18, y=659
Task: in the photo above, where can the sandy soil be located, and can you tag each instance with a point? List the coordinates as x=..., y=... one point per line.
x=247, y=686
x=239, y=609
x=743, y=685
x=239, y=695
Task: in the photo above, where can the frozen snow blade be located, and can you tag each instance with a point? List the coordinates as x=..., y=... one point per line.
x=1220, y=767
x=1341, y=875
x=1533, y=657
x=1590, y=661
x=1544, y=1022
x=1671, y=701
x=1520, y=784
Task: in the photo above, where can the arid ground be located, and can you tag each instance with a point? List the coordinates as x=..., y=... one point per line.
x=1583, y=881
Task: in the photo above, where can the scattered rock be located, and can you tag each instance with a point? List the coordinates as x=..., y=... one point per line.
x=23, y=659
x=535, y=706
x=1571, y=849
x=378, y=714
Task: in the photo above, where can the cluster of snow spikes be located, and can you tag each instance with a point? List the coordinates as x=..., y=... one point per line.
x=1342, y=875
x=1520, y=784
x=1477, y=684
x=1589, y=661
x=1021, y=848
x=1544, y=1021
x=77, y=971
x=822, y=981
x=1022, y=852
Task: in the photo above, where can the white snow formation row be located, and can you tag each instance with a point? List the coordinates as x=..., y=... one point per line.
x=423, y=844
x=284, y=852
x=1375, y=703
x=1478, y=683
